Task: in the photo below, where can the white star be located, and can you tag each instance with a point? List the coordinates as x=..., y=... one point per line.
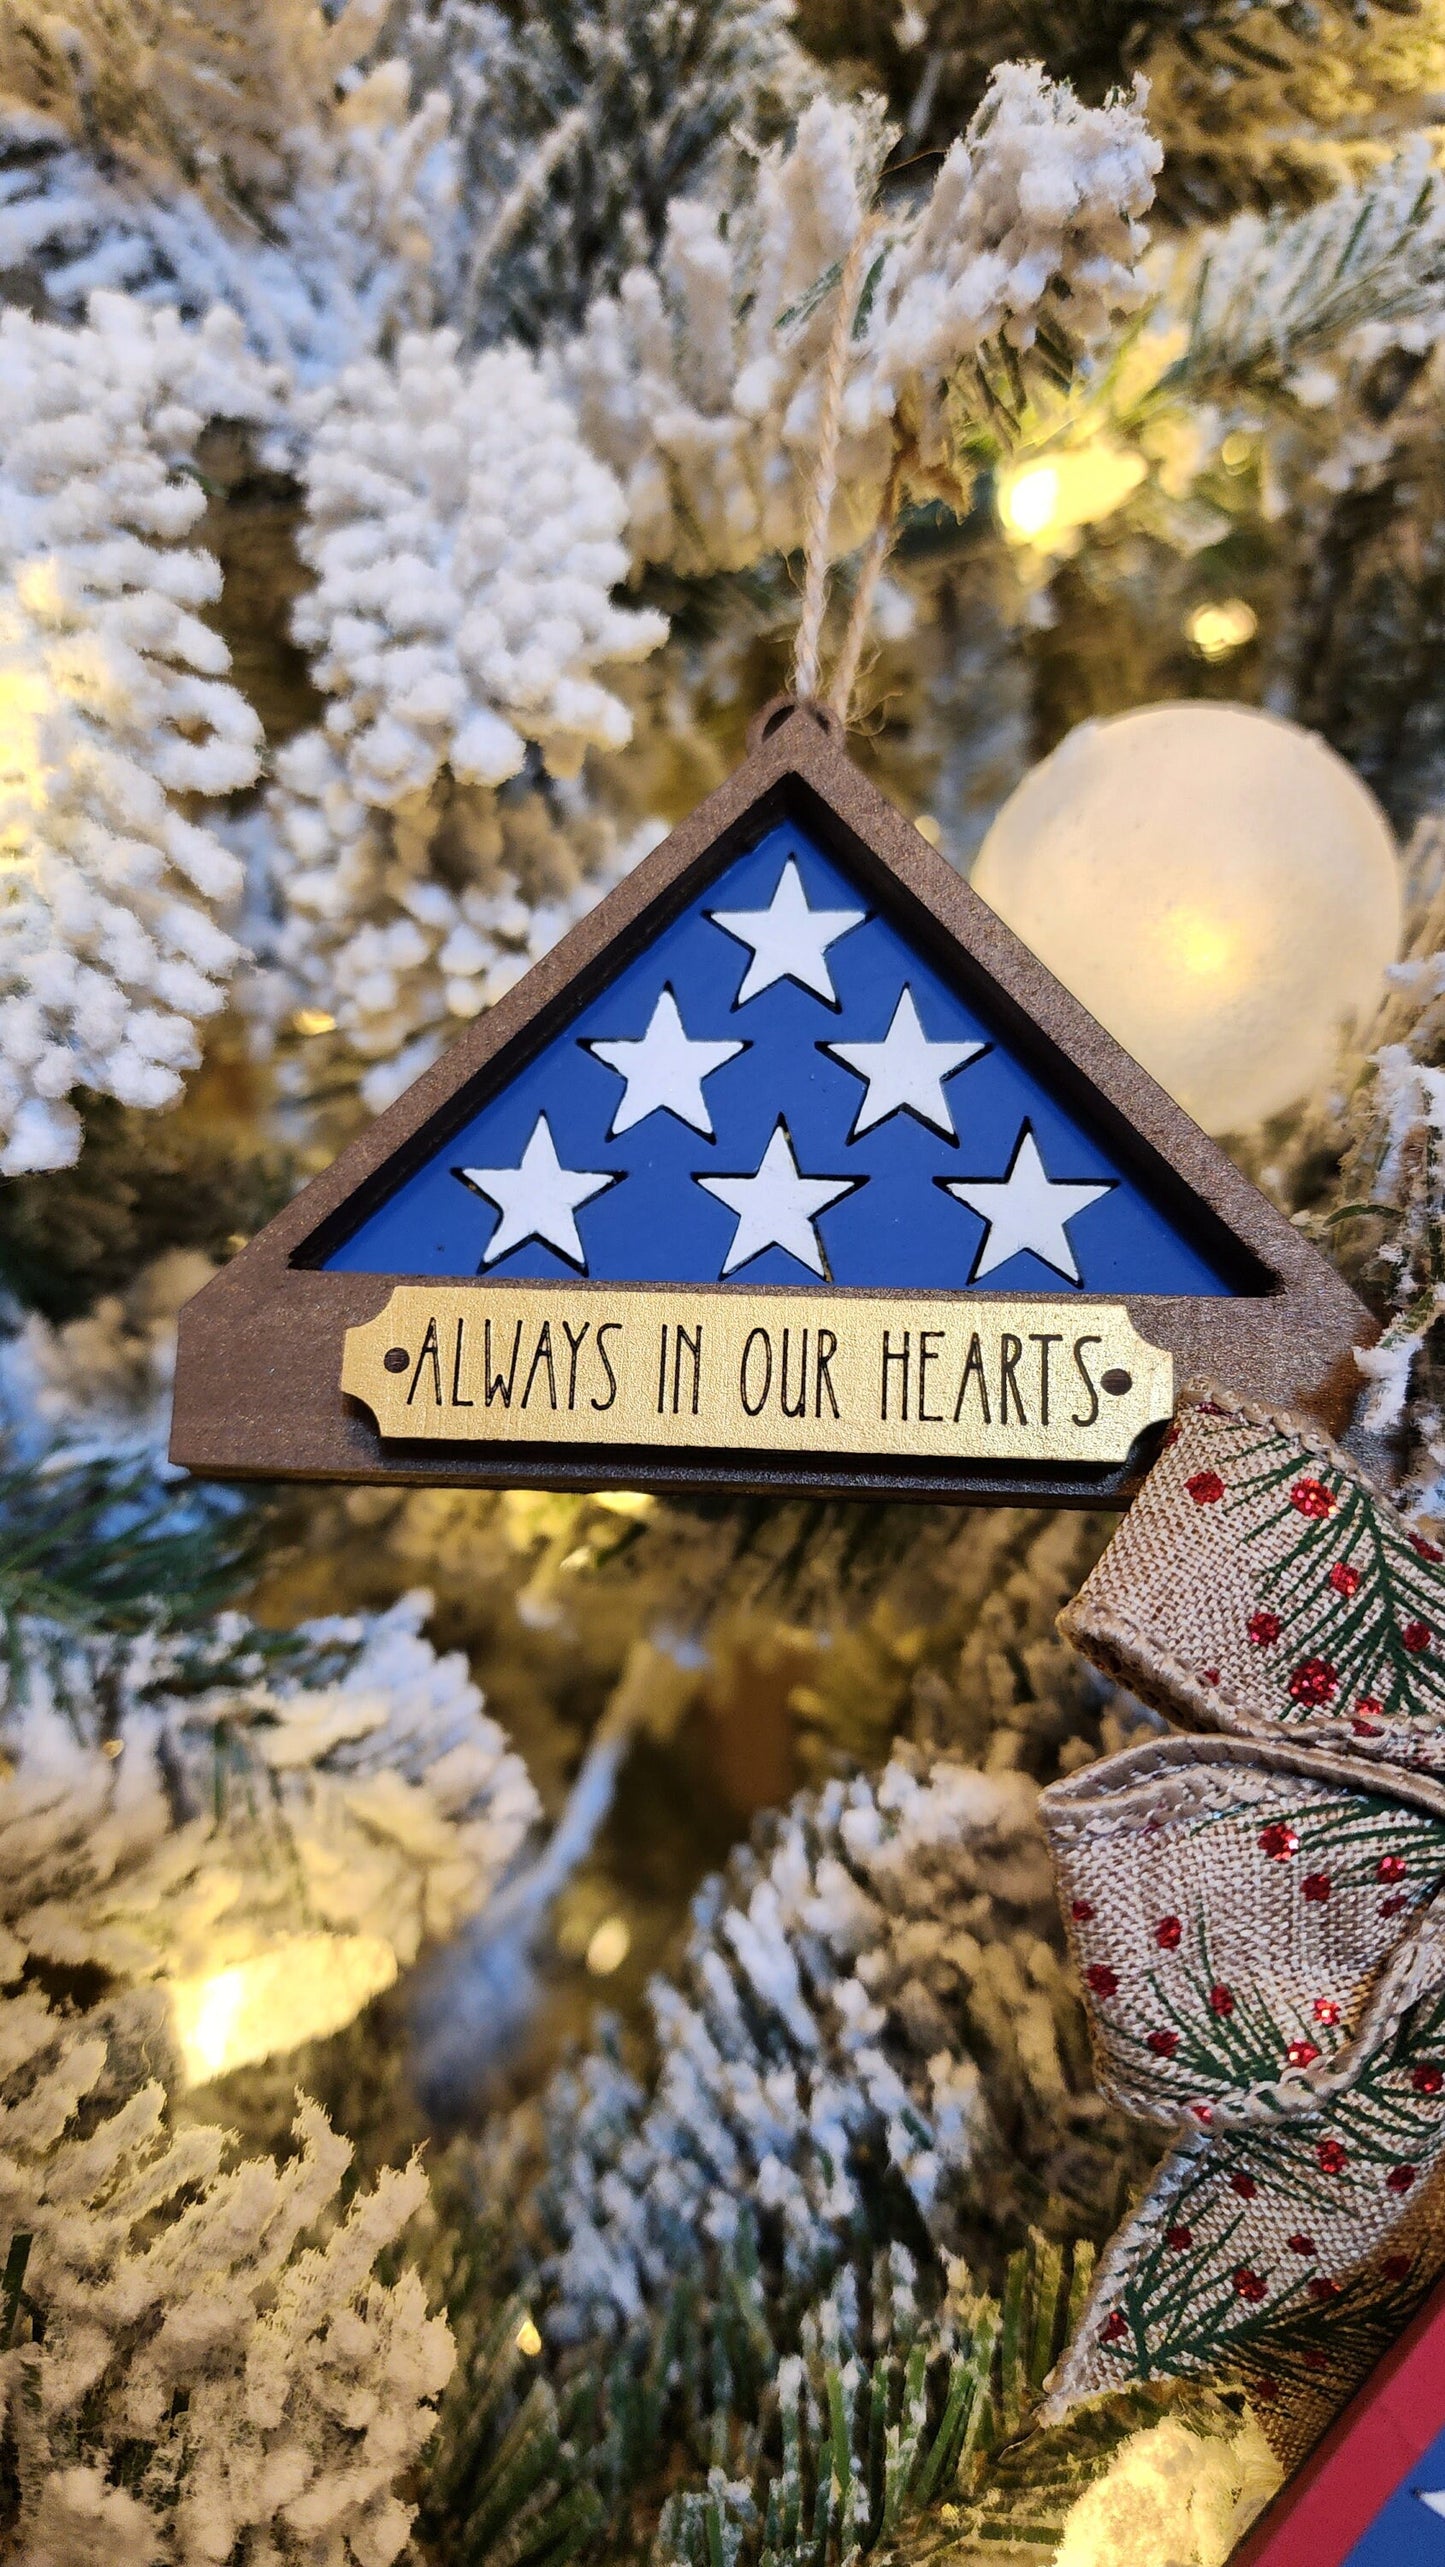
x=776, y=1208
x=1026, y=1210
x=538, y=1199
x=789, y=940
x=905, y=1071
x=664, y=1070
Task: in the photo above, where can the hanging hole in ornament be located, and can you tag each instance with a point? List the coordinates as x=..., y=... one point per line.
x=1116, y=1380
x=765, y=725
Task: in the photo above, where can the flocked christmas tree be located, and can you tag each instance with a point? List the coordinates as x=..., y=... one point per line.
x=409, y=418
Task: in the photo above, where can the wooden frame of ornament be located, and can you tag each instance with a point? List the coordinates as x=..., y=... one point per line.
x=257, y=1393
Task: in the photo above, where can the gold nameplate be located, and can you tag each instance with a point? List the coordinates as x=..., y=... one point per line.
x=920, y=1378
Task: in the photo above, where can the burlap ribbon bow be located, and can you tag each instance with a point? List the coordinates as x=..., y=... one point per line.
x=1256, y=1918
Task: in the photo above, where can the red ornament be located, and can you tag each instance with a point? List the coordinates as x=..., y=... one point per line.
x=1081, y=1911
x=1250, y=2286
x=1221, y=1999
x=1415, y=1637
x=1163, y=2044
x=1167, y=1933
x=1179, y=2238
x=1314, y=1683
x=1115, y=2326
x=1302, y=2054
x=1390, y=1867
x=1244, y=2185
x=1206, y=1488
x=1278, y=1841
x=1326, y=2010
x=1316, y=1886
x=1400, y=2178
x=1427, y=1550
x=1264, y=1629
x=1331, y=2157
x=1313, y=1499
x=1427, y=2080
x=1299, y=2244
x=1344, y=1579
x=1103, y=1980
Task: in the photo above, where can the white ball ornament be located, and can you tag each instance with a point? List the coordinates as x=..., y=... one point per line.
x=1216, y=885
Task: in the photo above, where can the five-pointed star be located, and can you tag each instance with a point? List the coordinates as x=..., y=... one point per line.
x=777, y=1207
x=789, y=940
x=538, y=1199
x=905, y=1072
x=1026, y=1210
x=664, y=1070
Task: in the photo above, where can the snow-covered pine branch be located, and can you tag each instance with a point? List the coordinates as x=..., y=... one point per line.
x=1270, y=294
x=200, y=2360
x=575, y=128
x=115, y=713
x=701, y=383
x=272, y=1827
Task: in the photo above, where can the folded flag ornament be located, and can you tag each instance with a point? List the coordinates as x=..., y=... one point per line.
x=790, y=1168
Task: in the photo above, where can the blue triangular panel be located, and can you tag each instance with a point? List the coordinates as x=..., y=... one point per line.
x=627, y=1195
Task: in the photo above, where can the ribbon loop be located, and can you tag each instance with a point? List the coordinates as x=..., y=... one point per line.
x=1259, y=1918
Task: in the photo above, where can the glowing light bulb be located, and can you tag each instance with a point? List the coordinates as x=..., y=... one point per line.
x=528, y=2339
x=1216, y=885
x=609, y=1947
x=313, y=1020
x=1223, y=627
x=1042, y=503
x=298, y=1990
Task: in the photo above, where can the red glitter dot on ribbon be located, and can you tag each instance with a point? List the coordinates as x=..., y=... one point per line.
x=1278, y=1840
x=1167, y=1933
x=1400, y=2178
x=1181, y=2239
x=1322, y=2288
x=1427, y=2080
x=1249, y=2285
x=1390, y=1867
x=1221, y=1999
x=1313, y=1684
x=1326, y=2010
x=1299, y=2244
x=1163, y=2044
x=1103, y=1980
x=1264, y=1629
x=1206, y=1488
x=1416, y=1637
x=1427, y=1550
x=1244, y=2185
x=1344, y=1579
x=1331, y=2157
x=1114, y=2327
x=1316, y=1886
x=1302, y=2054
x=1081, y=1911
x=1311, y=1498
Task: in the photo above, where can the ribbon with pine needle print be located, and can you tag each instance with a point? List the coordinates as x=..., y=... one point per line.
x=1258, y=1920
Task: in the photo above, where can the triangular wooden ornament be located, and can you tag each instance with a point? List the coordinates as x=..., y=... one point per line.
x=790, y=1169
